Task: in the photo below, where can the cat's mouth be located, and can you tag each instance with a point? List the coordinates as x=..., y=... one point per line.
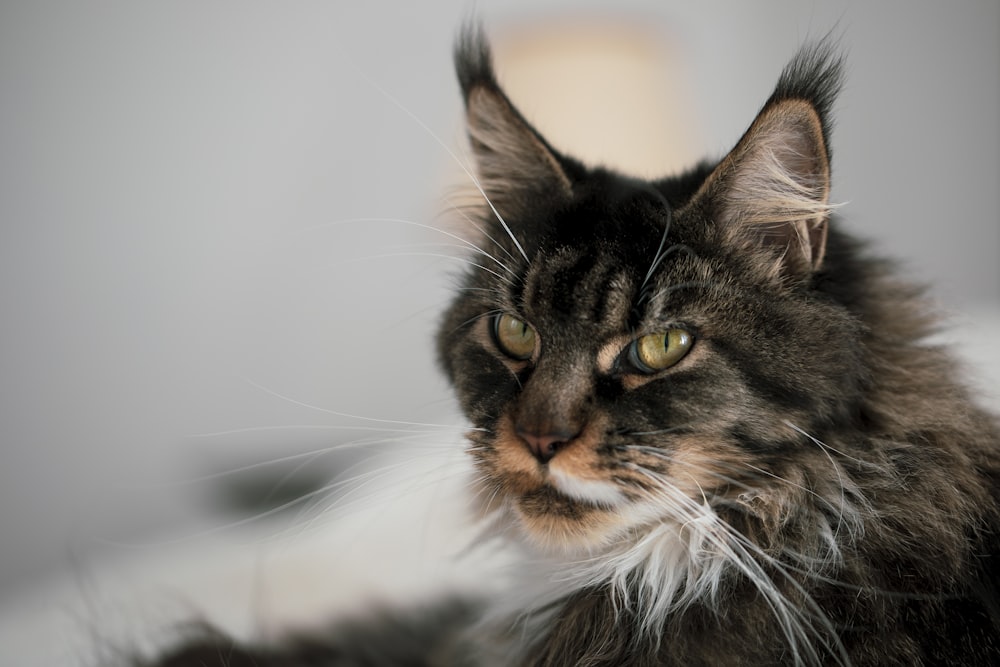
x=568, y=501
x=549, y=501
x=556, y=521
x=576, y=474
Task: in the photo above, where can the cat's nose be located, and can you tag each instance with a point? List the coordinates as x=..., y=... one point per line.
x=544, y=445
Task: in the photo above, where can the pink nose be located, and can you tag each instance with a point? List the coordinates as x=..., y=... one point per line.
x=544, y=445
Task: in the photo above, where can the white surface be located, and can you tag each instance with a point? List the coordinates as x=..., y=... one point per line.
x=400, y=536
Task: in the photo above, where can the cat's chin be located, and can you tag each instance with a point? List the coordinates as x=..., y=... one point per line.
x=558, y=524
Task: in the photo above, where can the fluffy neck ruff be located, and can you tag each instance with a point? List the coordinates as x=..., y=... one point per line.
x=652, y=575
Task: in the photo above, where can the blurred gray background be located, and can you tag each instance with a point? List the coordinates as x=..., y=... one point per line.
x=188, y=194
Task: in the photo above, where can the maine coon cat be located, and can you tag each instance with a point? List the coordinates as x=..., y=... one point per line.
x=707, y=417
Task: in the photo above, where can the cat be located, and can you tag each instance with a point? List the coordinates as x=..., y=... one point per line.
x=705, y=415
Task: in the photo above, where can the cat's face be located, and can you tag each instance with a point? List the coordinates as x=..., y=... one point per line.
x=636, y=354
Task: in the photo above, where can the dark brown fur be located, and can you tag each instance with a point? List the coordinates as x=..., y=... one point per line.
x=837, y=451
x=801, y=327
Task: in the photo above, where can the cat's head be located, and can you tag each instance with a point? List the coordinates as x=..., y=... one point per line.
x=638, y=354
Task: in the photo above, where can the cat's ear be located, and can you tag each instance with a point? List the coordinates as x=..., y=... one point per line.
x=773, y=189
x=514, y=164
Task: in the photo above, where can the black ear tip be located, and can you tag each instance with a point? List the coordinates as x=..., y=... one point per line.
x=473, y=58
x=815, y=74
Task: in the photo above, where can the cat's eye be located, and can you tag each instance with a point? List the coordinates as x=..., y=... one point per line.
x=656, y=352
x=514, y=337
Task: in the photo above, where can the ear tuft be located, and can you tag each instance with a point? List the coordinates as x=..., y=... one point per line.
x=773, y=189
x=514, y=164
x=473, y=59
x=778, y=186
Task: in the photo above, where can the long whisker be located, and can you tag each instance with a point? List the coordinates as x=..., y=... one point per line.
x=659, y=256
x=469, y=321
x=743, y=554
x=677, y=247
x=840, y=477
x=318, y=427
x=400, y=488
x=293, y=401
x=455, y=258
x=665, y=456
x=824, y=446
x=311, y=455
x=670, y=289
x=459, y=162
x=662, y=431
x=465, y=243
x=353, y=484
x=471, y=221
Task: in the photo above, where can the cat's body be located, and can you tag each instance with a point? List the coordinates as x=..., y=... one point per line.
x=707, y=417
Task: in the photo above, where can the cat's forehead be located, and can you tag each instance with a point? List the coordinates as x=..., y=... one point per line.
x=609, y=207
x=602, y=258
x=583, y=283
x=597, y=290
x=608, y=219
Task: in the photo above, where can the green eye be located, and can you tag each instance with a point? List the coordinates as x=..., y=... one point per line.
x=515, y=338
x=659, y=351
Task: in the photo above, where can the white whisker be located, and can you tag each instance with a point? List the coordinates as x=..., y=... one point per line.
x=468, y=172
x=308, y=406
x=475, y=225
x=729, y=548
x=315, y=427
x=454, y=258
x=465, y=244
